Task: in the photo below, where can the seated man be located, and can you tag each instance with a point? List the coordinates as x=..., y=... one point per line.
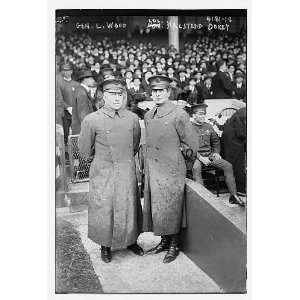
x=209, y=152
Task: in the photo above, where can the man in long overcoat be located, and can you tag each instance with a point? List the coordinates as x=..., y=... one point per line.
x=167, y=128
x=83, y=103
x=234, y=147
x=222, y=85
x=113, y=134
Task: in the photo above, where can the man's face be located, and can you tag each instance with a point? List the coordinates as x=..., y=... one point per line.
x=89, y=81
x=148, y=75
x=208, y=82
x=192, y=82
x=239, y=79
x=67, y=73
x=231, y=69
x=136, y=82
x=128, y=75
x=160, y=96
x=114, y=98
x=174, y=84
x=199, y=116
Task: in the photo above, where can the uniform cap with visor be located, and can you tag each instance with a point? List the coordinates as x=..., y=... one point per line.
x=113, y=85
x=159, y=82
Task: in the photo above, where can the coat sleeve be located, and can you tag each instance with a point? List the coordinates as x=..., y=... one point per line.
x=86, y=140
x=226, y=83
x=136, y=135
x=82, y=106
x=186, y=132
x=59, y=95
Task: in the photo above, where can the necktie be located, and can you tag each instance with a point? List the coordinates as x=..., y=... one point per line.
x=117, y=114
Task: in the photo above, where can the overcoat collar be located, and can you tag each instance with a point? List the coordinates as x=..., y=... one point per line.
x=163, y=109
x=111, y=112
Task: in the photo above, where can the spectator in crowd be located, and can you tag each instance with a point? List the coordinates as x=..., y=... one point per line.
x=239, y=89
x=136, y=92
x=194, y=95
x=65, y=91
x=207, y=90
x=114, y=211
x=128, y=79
x=221, y=82
x=145, y=83
x=208, y=153
x=231, y=69
x=175, y=91
x=182, y=79
x=171, y=72
x=234, y=147
x=167, y=126
x=83, y=103
x=96, y=71
x=106, y=72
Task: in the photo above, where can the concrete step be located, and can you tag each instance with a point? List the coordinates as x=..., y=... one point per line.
x=215, y=238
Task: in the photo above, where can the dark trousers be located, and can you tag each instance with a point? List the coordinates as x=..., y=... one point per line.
x=66, y=126
x=221, y=164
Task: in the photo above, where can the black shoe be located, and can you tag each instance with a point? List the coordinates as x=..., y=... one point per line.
x=236, y=200
x=162, y=246
x=173, y=251
x=136, y=249
x=106, y=254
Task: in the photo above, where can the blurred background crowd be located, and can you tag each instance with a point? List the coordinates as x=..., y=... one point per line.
x=208, y=68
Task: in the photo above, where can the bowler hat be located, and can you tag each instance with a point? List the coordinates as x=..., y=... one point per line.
x=66, y=67
x=84, y=74
x=239, y=73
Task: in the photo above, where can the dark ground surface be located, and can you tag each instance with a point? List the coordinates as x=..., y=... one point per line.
x=74, y=270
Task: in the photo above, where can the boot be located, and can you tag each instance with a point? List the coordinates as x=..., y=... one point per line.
x=136, y=249
x=162, y=246
x=235, y=199
x=173, y=249
x=106, y=254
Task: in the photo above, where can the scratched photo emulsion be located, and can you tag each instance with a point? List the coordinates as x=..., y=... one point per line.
x=150, y=153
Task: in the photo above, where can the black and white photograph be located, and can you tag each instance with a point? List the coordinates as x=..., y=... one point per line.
x=150, y=151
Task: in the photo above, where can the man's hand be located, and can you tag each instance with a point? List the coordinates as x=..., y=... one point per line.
x=69, y=109
x=216, y=156
x=204, y=160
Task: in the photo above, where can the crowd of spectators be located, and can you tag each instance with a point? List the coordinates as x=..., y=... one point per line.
x=207, y=68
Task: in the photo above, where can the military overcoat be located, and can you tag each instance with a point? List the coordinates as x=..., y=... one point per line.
x=165, y=170
x=114, y=211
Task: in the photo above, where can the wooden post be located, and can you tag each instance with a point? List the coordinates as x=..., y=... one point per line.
x=173, y=31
